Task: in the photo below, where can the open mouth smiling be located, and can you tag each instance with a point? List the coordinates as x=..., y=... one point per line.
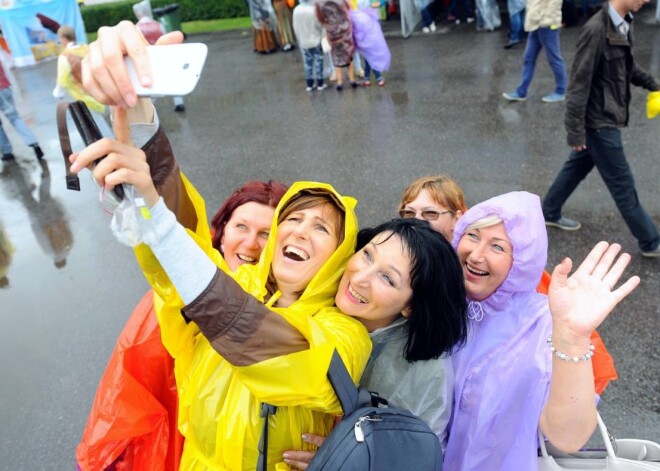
x=246, y=258
x=357, y=296
x=296, y=254
x=474, y=271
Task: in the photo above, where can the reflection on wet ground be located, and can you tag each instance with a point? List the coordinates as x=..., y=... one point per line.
x=48, y=220
x=69, y=287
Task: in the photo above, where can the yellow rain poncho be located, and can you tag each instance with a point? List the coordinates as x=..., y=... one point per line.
x=219, y=403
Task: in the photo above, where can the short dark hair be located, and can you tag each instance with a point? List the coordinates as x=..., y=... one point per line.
x=438, y=320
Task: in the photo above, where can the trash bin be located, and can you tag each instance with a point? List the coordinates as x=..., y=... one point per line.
x=169, y=16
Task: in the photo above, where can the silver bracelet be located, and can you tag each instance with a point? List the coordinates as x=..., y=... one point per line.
x=562, y=356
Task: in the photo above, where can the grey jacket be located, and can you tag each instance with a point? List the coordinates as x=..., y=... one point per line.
x=598, y=92
x=426, y=388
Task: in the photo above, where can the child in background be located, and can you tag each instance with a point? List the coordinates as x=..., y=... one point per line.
x=69, y=77
x=308, y=30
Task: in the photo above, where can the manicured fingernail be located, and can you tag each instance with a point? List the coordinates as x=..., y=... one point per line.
x=74, y=167
x=286, y=456
x=305, y=437
x=145, y=81
x=130, y=99
x=287, y=461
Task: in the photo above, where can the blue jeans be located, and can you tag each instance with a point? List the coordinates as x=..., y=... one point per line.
x=367, y=72
x=313, y=65
x=548, y=39
x=605, y=151
x=9, y=110
x=426, y=16
x=517, y=22
x=466, y=10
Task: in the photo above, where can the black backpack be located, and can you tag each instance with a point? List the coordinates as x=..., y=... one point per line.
x=372, y=436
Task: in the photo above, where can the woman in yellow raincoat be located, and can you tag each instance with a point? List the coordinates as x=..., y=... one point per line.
x=276, y=353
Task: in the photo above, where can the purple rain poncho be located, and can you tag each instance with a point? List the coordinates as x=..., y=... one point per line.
x=369, y=39
x=503, y=372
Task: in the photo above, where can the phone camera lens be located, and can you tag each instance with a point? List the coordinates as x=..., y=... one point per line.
x=185, y=66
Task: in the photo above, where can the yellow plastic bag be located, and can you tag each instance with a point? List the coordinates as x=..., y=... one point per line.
x=653, y=105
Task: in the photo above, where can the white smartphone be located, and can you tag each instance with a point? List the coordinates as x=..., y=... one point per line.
x=175, y=68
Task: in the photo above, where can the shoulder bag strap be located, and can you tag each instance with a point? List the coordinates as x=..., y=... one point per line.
x=344, y=387
x=266, y=411
x=342, y=383
x=72, y=180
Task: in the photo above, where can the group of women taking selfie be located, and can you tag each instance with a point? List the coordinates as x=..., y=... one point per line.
x=436, y=310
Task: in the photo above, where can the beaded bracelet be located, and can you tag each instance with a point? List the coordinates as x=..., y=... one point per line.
x=562, y=356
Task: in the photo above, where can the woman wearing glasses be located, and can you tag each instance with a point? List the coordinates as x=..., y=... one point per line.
x=436, y=199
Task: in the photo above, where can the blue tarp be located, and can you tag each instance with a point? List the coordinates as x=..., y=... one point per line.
x=25, y=34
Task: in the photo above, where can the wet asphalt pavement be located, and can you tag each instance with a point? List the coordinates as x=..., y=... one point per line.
x=71, y=287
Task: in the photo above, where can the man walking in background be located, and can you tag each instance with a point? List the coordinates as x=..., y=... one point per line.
x=542, y=22
x=596, y=108
x=8, y=108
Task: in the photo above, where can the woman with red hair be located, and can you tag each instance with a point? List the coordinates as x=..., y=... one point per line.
x=133, y=422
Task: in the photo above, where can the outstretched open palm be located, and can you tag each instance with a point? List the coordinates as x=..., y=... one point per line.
x=582, y=301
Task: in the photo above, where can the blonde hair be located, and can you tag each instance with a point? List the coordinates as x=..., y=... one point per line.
x=67, y=32
x=443, y=189
x=486, y=221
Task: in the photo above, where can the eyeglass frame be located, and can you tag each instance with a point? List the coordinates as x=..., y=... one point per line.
x=436, y=214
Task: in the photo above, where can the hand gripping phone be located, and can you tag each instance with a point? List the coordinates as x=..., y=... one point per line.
x=89, y=132
x=175, y=69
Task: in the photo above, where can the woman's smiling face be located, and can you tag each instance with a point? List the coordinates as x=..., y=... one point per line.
x=375, y=287
x=305, y=241
x=245, y=234
x=486, y=255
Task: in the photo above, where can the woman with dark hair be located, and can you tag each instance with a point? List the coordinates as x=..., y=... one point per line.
x=405, y=284
x=141, y=371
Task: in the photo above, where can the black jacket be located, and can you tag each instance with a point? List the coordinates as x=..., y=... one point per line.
x=599, y=88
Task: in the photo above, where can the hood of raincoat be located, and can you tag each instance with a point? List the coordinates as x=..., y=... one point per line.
x=323, y=287
x=502, y=375
x=523, y=220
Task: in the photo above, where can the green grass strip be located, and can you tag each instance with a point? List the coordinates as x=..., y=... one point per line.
x=205, y=26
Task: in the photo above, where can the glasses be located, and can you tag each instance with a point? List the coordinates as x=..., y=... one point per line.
x=427, y=214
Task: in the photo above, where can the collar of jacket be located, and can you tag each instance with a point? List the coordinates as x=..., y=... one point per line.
x=614, y=38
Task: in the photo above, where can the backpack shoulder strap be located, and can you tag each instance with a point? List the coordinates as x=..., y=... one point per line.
x=343, y=385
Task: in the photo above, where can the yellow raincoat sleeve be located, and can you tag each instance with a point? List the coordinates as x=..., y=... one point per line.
x=300, y=378
x=183, y=199
x=178, y=335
